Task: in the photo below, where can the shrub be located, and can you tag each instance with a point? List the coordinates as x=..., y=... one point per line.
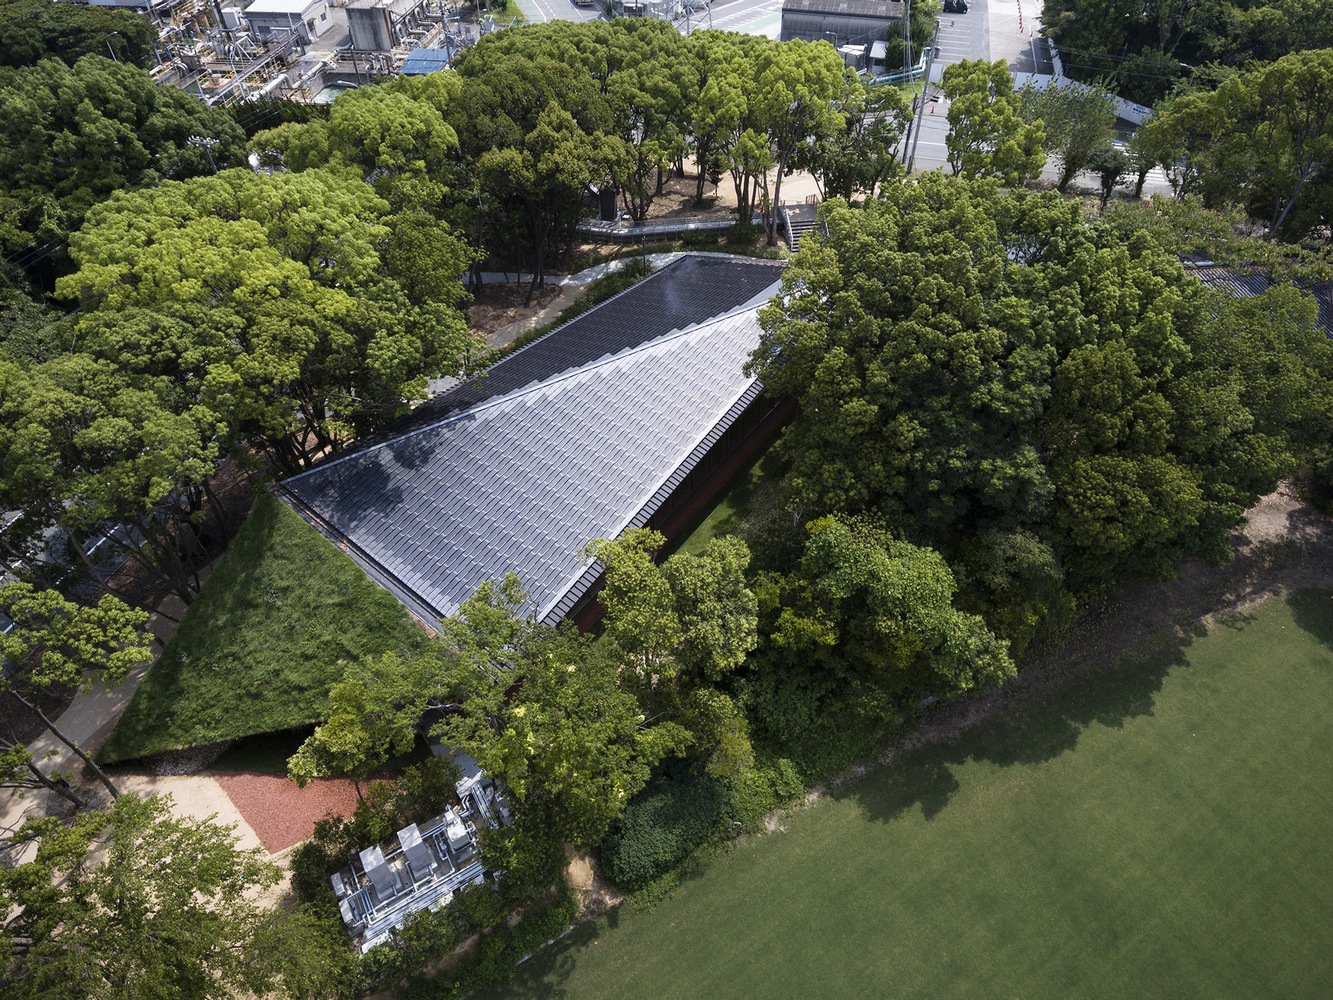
x=497, y=954
x=763, y=789
x=425, y=938
x=662, y=825
x=742, y=235
x=375, y=819
x=318, y=858
x=423, y=790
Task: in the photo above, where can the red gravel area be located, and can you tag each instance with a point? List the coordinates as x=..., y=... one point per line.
x=280, y=813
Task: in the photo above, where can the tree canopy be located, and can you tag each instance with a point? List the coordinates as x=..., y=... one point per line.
x=1146, y=47
x=294, y=299
x=57, y=644
x=987, y=134
x=134, y=902
x=554, y=723
x=32, y=30
x=971, y=364
x=73, y=135
x=1263, y=140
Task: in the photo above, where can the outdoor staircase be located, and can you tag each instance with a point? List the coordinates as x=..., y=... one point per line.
x=797, y=220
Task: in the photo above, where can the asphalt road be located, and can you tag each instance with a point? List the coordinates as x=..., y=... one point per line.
x=964, y=36
x=538, y=11
x=750, y=17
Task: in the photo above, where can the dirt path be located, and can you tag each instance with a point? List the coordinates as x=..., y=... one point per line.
x=499, y=314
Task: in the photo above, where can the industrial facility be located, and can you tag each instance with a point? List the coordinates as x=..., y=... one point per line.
x=226, y=51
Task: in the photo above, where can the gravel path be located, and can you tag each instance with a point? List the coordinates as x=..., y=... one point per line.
x=280, y=813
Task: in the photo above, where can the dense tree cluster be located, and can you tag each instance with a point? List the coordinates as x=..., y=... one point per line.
x=71, y=136
x=229, y=315
x=134, y=902
x=1262, y=140
x=1148, y=46
x=507, y=148
x=33, y=30
x=1049, y=404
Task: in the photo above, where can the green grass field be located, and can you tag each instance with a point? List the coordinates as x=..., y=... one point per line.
x=1159, y=832
x=749, y=498
x=257, y=651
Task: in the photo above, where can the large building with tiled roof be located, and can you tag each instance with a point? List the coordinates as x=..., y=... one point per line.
x=633, y=414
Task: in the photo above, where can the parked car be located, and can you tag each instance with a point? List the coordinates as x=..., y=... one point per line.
x=955, y=6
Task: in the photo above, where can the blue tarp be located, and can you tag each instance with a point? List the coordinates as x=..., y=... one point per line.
x=422, y=61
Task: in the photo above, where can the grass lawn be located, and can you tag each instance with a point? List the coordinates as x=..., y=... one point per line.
x=752, y=495
x=259, y=648
x=1158, y=832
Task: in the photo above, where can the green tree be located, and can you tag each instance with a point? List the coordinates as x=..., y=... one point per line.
x=796, y=95
x=134, y=902
x=1076, y=120
x=371, y=715
x=58, y=644
x=717, y=610
x=74, y=135
x=987, y=134
x=692, y=620
x=544, y=179
x=285, y=296
x=32, y=30
x=1263, y=139
x=880, y=612
x=641, y=617
x=971, y=362
x=546, y=714
x=1110, y=164
x=1149, y=48
x=863, y=154
x=93, y=447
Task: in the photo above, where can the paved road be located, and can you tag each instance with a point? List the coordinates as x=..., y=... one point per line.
x=750, y=17
x=964, y=36
x=538, y=11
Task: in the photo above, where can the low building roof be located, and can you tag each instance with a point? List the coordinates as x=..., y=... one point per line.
x=280, y=7
x=582, y=438
x=889, y=10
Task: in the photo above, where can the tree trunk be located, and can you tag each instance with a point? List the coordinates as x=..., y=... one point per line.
x=41, y=779
x=773, y=209
x=55, y=731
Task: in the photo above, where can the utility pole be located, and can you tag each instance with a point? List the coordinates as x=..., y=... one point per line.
x=206, y=143
x=930, y=61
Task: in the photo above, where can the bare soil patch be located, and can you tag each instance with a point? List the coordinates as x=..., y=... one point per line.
x=498, y=312
x=596, y=895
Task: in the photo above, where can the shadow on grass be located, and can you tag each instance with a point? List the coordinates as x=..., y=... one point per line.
x=543, y=977
x=1038, y=729
x=1313, y=611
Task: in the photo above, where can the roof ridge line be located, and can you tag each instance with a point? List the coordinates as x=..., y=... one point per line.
x=531, y=387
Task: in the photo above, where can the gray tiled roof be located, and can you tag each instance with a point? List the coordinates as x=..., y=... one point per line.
x=1246, y=283
x=525, y=480
x=690, y=290
x=887, y=9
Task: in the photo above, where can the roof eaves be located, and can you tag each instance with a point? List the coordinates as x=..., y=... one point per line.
x=581, y=583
